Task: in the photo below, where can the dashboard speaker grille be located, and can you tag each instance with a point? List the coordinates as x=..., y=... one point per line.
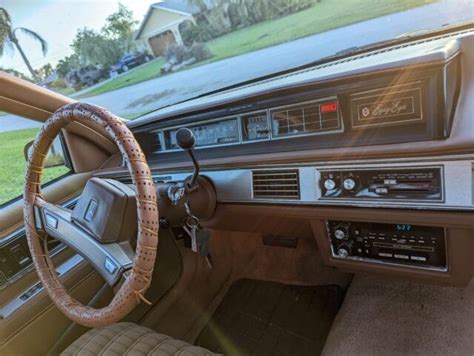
x=276, y=184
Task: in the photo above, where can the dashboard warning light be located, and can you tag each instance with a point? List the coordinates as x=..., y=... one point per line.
x=330, y=107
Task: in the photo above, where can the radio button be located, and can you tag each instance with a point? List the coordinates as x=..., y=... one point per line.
x=418, y=258
x=383, y=254
x=402, y=257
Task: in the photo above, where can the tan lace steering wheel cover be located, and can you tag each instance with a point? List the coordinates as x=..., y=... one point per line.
x=139, y=278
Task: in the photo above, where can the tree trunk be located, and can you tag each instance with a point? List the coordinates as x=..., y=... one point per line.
x=25, y=59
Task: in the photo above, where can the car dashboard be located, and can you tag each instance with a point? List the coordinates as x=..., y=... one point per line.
x=372, y=155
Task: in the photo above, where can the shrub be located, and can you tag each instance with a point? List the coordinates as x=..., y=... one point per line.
x=233, y=14
x=201, y=52
x=189, y=35
x=198, y=33
x=176, y=54
x=58, y=83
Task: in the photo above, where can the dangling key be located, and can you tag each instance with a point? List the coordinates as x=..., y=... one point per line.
x=202, y=238
x=194, y=245
x=199, y=236
x=192, y=227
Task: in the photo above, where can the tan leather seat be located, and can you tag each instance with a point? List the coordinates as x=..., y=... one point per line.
x=130, y=339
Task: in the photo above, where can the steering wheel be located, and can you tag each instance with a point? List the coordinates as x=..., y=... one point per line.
x=134, y=271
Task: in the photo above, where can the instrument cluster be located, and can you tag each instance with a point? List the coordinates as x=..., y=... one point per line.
x=381, y=109
x=302, y=119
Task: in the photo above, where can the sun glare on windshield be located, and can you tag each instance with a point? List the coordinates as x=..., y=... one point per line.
x=135, y=57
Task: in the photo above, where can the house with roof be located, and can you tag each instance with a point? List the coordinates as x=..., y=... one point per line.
x=163, y=23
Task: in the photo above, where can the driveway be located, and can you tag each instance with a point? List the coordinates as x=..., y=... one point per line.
x=172, y=88
x=12, y=123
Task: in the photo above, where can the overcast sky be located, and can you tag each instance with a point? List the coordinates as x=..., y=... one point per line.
x=57, y=22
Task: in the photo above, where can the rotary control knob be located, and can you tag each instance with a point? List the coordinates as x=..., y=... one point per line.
x=344, y=250
x=349, y=183
x=330, y=184
x=340, y=232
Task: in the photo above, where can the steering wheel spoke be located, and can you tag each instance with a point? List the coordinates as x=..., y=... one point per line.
x=111, y=260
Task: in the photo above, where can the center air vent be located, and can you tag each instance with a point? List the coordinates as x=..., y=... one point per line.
x=276, y=184
x=156, y=145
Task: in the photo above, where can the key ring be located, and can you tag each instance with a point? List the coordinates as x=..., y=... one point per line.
x=192, y=221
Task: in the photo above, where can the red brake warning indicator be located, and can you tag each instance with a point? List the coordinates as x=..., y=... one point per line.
x=329, y=107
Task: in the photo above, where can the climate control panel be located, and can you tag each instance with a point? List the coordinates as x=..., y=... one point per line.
x=423, y=183
x=402, y=244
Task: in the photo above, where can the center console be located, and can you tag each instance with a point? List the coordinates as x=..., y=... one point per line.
x=397, y=244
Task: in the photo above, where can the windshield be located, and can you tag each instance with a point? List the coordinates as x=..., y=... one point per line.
x=134, y=57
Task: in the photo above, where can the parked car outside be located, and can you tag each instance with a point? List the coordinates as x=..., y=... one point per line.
x=86, y=76
x=129, y=61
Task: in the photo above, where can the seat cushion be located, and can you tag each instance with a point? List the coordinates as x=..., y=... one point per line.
x=130, y=339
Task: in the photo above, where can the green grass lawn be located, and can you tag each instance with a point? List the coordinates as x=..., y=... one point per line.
x=64, y=91
x=136, y=75
x=13, y=165
x=327, y=15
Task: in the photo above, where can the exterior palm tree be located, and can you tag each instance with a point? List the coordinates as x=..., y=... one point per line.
x=9, y=39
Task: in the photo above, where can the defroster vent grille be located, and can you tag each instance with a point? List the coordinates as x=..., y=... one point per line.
x=276, y=184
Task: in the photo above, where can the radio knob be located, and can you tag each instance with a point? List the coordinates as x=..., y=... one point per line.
x=343, y=251
x=349, y=183
x=329, y=184
x=340, y=233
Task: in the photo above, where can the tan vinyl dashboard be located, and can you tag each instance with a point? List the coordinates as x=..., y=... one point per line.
x=401, y=189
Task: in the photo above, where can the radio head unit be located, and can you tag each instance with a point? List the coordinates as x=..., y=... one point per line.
x=400, y=244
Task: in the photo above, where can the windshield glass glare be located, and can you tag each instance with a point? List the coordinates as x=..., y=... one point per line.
x=134, y=57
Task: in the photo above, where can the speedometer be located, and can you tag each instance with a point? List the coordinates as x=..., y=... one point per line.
x=208, y=134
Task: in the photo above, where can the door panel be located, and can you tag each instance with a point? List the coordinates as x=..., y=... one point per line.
x=29, y=322
x=36, y=326
x=33, y=325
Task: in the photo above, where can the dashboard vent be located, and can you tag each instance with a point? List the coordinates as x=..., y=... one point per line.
x=156, y=145
x=276, y=184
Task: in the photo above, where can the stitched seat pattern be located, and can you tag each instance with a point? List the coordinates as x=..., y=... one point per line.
x=132, y=340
